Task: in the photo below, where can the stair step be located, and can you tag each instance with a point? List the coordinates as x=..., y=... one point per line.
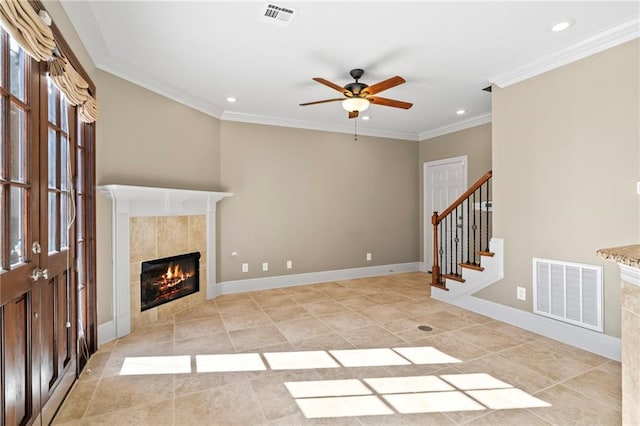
x=486, y=253
x=471, y=266
x=440, y=286
x=454, y=277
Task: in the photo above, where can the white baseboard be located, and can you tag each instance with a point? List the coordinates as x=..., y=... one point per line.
x=106, y=332
x=598, y=343
x=267, y=283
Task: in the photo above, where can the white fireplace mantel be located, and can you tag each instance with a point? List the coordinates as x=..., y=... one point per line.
x=138, y=201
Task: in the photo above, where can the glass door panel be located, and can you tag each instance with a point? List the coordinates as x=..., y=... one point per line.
x=59, y=292
x=19, y=175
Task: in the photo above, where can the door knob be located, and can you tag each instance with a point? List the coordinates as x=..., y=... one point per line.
x=38, y=273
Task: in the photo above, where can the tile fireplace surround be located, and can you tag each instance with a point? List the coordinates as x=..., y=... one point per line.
x=148, y=213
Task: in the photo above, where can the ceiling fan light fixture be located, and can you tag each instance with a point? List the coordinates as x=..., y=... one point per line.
x=355, y=104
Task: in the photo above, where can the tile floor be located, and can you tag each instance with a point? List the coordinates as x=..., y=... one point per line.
x=346, y=352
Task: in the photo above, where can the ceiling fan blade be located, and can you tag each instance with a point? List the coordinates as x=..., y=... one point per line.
x=333, y=86
x=353, y=114
x=323, y=102
x=384, y=85
x=389, y=102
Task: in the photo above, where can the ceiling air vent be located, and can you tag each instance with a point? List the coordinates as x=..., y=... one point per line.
x=278, y=15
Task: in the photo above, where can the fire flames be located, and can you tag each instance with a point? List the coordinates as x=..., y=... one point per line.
x=174, y=275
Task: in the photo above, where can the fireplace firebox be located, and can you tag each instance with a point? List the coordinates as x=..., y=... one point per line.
x=168, y=279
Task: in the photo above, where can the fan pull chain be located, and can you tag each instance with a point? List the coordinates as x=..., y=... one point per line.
x=355, y=133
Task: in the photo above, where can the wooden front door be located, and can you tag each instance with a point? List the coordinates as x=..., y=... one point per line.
x=37, y=284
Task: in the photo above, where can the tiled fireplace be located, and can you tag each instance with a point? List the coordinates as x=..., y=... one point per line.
x=159, y=243
x=150, y=225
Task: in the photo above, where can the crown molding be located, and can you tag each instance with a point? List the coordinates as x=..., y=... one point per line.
x=606, y=39
x=472, y=122
x=114, y=65
x=310, y=125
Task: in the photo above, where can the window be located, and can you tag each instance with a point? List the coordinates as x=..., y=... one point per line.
x=15, y=185
x=59, y=164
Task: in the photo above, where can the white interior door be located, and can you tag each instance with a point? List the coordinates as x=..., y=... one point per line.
x=444, y=181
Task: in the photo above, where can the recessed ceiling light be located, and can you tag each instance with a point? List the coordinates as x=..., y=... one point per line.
x=231, y=99
x=561, y=26
x=461, y=111
x=365, y=117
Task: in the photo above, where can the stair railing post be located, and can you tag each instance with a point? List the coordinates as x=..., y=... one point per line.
x=435, y=268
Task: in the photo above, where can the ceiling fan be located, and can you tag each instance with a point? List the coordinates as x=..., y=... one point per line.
x=358, y=95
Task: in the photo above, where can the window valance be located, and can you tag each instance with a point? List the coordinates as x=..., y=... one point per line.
x=32, y=32
x=24, y=25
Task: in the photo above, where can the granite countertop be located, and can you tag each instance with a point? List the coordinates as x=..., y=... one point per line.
x=627, y=255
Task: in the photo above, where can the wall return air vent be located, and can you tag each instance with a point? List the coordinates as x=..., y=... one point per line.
x=278, y=15
x=569, y=292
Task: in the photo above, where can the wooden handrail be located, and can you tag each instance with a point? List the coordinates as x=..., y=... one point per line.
x=473, y=188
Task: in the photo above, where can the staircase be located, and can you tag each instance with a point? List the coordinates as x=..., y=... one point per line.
x=465, y=256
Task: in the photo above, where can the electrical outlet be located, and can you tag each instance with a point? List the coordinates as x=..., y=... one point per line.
x=265, y=266
x=522, y=293
x=289, y=264
x=245, y=267
x=368, y=257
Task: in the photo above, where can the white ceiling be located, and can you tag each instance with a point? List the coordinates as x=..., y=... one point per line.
x=201, y=52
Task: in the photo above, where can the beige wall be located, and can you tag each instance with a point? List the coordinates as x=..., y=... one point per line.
x=319, y=199
x=565, y=162
x=149, y=140
x=474, y=142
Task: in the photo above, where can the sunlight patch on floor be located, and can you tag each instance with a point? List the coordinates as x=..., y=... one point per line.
x=300, y=360
x=294, y=360
x=475, y=381
x=143, y=365
x=319, y=388
x=358, y=397
x=368, y=357
x=408, y=384
x=432, y=402
x=501, y=399
x=344, y=406
x=413, y=394
x=426, y=355
x=229, y=362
